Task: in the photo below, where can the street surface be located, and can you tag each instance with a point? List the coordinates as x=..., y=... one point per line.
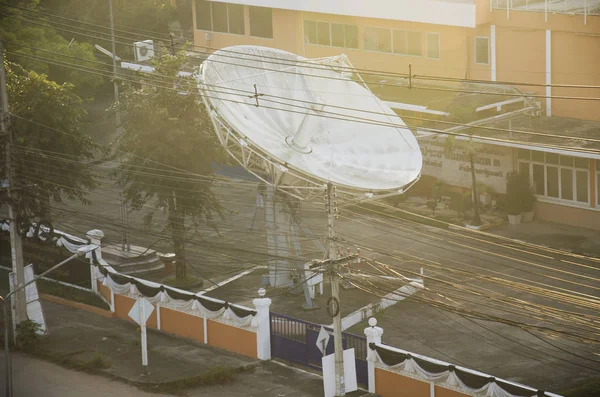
x=33, y=377
x=466, y=271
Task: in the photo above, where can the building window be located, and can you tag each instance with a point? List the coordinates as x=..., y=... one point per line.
x=400, y=42
x=371, y=39
x=407, y=42
x=235, y=19
x=351, y=32
x=203, y=19
x=310, y=32
x=331, y=34
x=220, y=17
x=413, y=40
x=433, y=45
x=344, y=35
x=261, y=22
x=378, y=39
x=556, y=176
x=482, y=50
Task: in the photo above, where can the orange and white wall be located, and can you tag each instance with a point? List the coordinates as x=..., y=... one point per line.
x=524, y=47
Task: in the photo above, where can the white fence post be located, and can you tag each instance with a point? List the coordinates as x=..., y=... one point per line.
x=95, y=236
x=373, y=335
x=263, y=326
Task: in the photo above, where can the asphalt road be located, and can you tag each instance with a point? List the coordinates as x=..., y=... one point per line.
x=498, y=278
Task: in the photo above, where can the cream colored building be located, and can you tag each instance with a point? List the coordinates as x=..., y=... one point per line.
x=540, y=42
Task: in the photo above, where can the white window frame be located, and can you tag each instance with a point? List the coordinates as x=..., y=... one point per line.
x=427, y=45
x=573, y=168
x=345, y=43
x=406, y=54
x=316, y=21
x=475, y=49
x=272, y=30
x=391, y=40
x=212, y=23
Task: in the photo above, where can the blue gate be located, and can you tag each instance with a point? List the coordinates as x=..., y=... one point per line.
x=295, y=340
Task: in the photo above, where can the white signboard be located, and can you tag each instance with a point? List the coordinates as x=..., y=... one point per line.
x=492, y=163
x=322, y=340
x=34, y=307
x=313, y=280
x=350, y=382
x=135, y=311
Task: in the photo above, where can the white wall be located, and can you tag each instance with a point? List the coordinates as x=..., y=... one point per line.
x=495, y=162
x=438, y=12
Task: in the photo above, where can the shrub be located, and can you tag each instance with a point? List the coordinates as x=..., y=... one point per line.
x=527, y=194
x=514, y=194
x=97, y=362
x=28, y=334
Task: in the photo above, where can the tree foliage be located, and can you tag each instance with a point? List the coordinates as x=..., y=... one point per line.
x=138, y=19
x=26, y=41
x=170, y=152
x=54, y=159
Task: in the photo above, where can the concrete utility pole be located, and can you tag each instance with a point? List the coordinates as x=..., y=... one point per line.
x=16, y=249
x=340, y=387
x=21, y=288
x=125, y=243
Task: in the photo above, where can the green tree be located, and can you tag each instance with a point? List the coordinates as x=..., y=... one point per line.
x=51, y=151
x=140, y=19
x=462, y=111
x=170, y=151
x=27, y=42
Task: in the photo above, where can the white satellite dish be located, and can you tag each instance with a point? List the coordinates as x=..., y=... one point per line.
x=297, y=147
x=294, y=145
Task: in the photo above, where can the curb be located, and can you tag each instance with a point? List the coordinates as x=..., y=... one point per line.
x=77, y=305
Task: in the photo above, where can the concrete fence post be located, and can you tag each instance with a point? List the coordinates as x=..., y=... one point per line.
x=95, y=236
x=263, y=326
x=373, y=334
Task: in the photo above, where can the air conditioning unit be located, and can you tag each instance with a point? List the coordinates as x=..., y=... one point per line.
x=144, y=50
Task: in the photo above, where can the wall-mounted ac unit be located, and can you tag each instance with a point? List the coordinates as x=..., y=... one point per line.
x=144, y=50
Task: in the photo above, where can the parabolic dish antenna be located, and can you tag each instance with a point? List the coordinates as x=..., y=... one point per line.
x=302, y=128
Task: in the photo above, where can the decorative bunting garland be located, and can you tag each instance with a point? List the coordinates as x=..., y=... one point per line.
x=183, y=301
x=450, y=376
x=125, y=285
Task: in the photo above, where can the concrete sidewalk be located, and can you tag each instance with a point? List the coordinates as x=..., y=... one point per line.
x=83, y=340
x=51, y=380
x=568, y=238
x=78, y=336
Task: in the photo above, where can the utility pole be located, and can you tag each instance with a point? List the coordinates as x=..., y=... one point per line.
x=16, y=249
x=340, y=387
x=125, y=242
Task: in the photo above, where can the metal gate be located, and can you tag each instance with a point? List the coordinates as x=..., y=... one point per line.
x=295, y=340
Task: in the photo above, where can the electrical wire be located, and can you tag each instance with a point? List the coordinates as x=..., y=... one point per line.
x=263, y=57
x=338, y=116
x=422, y=88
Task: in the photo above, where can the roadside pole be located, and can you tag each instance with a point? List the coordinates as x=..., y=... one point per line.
x=144, y=337
x=5, y=301
x=123, y=207
x=15, y=238
x=340, y=388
